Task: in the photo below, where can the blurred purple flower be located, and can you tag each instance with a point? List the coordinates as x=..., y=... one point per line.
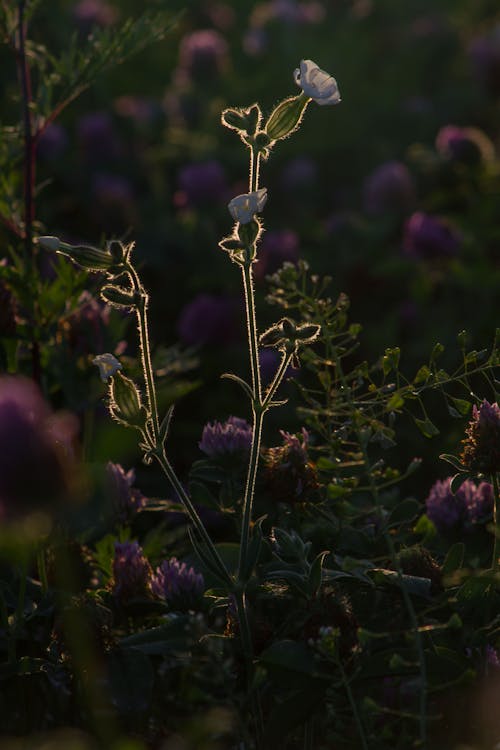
x=140, y=109
x=97, y=136
x=226, y=438
x=390, y=188
x=180, y=586
x=203, y=54
x=85, y=326
x=299, y=174
x=484, y=52
x=255, y=42
x=207, y=319
x=127, y=500
x=52, y=142
x=112, y=189
x=269, y=360
x=492, y=658
x=36, y=449
x=132, y=573
x=203, y=183
x=88, y=13
x=428, y=237
x=277, y=247
x=469, y=145
x=469, y=506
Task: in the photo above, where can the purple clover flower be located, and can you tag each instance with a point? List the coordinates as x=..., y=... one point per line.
x=97, y=136
x=203, y=183
x=390, y=188
x=207, y=319
x=36, y=449
x=484, y=52
x=226, y=438
x=203, y=54
x=481, y=451
x=468, y=145
x=469, y=506
x=88, y=13
x=429, y=237
x=277, y=247
x=299, y=174
x=53, y=142
x=127, y=500
x=132, y=573
x=180, y=586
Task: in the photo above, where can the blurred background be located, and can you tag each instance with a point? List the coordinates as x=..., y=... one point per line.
x=394, y=193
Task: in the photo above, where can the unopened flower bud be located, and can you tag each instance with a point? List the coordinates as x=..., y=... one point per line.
x=88, y=257
x=118, y=296
x=125, y=401
x=286, y=117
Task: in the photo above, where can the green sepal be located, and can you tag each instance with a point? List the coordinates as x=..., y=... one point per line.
x=286, y=117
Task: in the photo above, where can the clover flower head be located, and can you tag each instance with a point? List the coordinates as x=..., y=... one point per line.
x=481, y=451
x=316, y=84
x=108, y=365
x=243, y=207
x=127, y=500
x=178, y=584
x=470, y=505
x=132, y=573
x=226, y=438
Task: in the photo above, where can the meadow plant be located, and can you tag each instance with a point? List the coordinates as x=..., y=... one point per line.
x=316, y=604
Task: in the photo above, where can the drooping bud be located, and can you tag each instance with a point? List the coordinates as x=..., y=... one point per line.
x=118, y=296
x=125, y=401
x=88, y=257
x=248, y=234
x=286, y=117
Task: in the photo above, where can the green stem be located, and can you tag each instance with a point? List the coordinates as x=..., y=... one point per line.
x=496, y=529
x=193, y=515
x=354, y=709
x=42, y=570
x=280, y=373
x=249, y=491
x=253, y=339
x=21, y=597
x=254, y=171
x=246, y=642
x=147, y=366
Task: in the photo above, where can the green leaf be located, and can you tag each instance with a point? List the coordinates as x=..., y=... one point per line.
x=291, y=661
x=453, y=460
x=454, y=559
x=426, y=427
x=161, y=640
x=422, y=375
x=316, y=572
x=404, y=512
x=395, y=402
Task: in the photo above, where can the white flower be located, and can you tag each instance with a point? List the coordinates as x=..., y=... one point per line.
x=107, y=365
x=243, y=207
x=315, y=83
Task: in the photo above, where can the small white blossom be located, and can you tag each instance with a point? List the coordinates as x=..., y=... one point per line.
x=107, y=365
x=315, y=83
x=243, y=207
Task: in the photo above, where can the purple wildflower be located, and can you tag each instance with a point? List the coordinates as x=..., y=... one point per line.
x=492, y=658
x=202, y=184
x=428, y=237
x=484, y=53
x=269, y=360
x=276, y=248
x=132, y=573
x=88, y=13
x=127, y=500
x=97, y=136
x=469, y=506
x=226, y=438
x=36, y=448
x=180, y=586
x=207, y=319
x=53, y=142
x=468, y=145
x=390, y=188
x=481, y=451
x=299, y=174
x=203, y=54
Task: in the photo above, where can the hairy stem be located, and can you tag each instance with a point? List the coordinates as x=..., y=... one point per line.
x=496, y=530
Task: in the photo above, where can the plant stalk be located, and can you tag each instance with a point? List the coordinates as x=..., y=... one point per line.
x=496, y=513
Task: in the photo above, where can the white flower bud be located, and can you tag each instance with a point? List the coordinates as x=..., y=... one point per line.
x=245, y=206
x=315, y=83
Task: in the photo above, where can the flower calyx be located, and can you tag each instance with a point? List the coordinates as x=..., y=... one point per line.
x=286, y=118
x=112, y=260
x=245, y=122
x=125, y=403
x=287, y=336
